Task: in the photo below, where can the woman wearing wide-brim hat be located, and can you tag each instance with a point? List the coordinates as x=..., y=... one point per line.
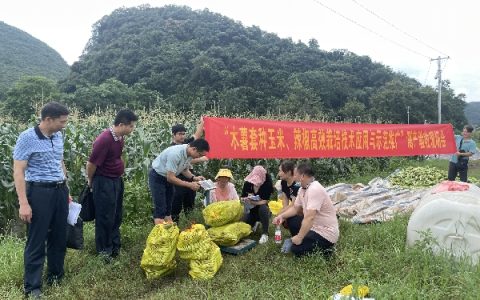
x=224, y=189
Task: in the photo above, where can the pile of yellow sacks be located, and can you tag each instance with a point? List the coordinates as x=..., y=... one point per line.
x=159, y=255
x=224, y=218
x=195, y=245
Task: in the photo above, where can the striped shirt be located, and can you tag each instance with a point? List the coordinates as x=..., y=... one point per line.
x=44, y=155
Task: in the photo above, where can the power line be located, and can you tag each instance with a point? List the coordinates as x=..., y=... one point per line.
x=370, y=30
x=428, y=72
x=445, y=64
x=395, y=27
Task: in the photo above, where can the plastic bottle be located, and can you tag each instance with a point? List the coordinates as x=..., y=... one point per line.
x=278, y=235
x=279, y=193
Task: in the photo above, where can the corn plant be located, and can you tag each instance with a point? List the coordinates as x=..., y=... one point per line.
x=151, y=136
x=8, y=201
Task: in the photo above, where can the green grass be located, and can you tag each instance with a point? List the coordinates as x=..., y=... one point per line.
x=373, y=254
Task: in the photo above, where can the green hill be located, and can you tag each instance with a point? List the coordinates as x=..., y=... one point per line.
x=472, y=113
x=202, y=60
x=23, y=55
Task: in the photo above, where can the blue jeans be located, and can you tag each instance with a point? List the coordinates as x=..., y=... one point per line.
x=162, y=194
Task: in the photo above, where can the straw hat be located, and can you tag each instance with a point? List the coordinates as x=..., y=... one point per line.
x=224, y=173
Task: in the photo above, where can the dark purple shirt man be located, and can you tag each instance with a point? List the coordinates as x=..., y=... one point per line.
x=107, y=154
x=104, y=175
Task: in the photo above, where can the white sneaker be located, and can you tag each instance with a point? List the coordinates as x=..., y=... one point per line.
x=255, y=227
x=263, y=239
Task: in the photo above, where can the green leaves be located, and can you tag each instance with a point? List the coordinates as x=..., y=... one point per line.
x=417, y=177
x=26, y=94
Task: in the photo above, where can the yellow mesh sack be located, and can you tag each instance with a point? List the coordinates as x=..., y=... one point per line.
x=203, y=251
x=159, y=255
x=223, y=212
x=206, y=268
x=194, y=243
x=230, y=234
x=191, y=236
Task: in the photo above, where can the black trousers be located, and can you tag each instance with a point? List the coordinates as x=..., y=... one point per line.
x=183, y=198
x=49, y=224
x=258, y=213
x=311, y=242
x=453, y=171
x=162, y=194
x=108, y=199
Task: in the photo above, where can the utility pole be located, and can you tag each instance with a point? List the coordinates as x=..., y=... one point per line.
x=439, y=77
x=408, y=114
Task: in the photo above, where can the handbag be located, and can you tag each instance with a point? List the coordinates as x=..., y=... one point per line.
x=75, y=235
x=88, y=207
x=462, y=161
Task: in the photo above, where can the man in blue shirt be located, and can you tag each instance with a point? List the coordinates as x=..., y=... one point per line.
x=184, y=198
x=466, y=147
x=40, y=182
x=162, y=177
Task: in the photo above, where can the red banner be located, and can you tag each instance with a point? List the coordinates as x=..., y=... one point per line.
x=247, y=138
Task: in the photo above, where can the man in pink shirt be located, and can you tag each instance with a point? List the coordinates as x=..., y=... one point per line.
x=312, y=220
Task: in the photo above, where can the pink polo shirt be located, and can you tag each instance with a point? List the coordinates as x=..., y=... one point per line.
x=228, y=194
x=325, y=222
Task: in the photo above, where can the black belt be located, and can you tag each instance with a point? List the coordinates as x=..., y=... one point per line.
x=56, y=185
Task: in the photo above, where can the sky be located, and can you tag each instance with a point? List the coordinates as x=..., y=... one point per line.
x=404, y=35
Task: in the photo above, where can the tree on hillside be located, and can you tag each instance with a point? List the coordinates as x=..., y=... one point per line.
x=113, y=93
x=23, y=55
x=201, y=60
x=353, y=111
x=472, y=112
x=401, y=96
x=23, y=98
x=453, y=106
x=301, y=100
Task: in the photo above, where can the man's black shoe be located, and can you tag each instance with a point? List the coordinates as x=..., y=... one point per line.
x=105, y=257
x=115, y=253
x=54, y=280
x=34, y=294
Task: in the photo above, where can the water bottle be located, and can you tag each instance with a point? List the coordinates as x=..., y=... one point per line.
x=279, y=193
x=278, y=235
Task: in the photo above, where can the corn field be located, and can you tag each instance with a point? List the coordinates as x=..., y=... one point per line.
x=152, y=134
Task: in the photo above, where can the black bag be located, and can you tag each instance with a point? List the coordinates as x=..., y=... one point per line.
x=462, y=161
x=75, y=235
x=88, y=208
